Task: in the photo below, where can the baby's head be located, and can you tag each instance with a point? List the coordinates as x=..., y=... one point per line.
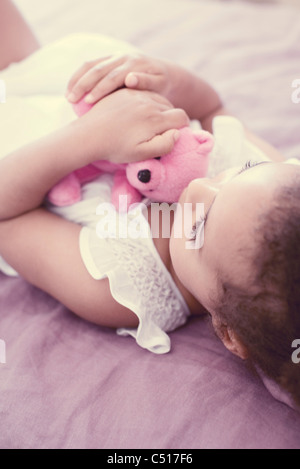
x=267, y=317
x=247, y=274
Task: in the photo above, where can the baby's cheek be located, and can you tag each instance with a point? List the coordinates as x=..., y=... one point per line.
x=178, y=252
x=226, y=175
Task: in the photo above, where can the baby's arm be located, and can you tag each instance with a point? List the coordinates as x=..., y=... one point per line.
x=126, y=126
x=44, y=249
x=182, y=87
x=17, y=41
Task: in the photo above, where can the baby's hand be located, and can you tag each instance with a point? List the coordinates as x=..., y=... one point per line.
x=101, y=77
x=130, y=125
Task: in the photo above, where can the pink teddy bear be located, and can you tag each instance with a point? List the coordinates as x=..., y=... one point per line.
x=160, y=179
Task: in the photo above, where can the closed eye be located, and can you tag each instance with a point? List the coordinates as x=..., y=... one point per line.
x=251, y=164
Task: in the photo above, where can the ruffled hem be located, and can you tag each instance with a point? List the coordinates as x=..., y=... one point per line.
x=7, y=269
x=101, y=262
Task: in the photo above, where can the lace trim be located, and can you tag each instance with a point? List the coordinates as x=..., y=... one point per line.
x=140, y=281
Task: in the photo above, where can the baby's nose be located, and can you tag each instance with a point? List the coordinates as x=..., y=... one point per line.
x=144, y=175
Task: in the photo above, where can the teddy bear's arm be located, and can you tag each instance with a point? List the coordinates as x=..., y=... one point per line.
x=65, y=192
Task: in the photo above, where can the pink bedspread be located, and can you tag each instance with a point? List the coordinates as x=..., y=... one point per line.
x=69, y=384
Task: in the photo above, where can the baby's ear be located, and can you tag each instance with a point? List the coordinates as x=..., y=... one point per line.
x=205, y=139
x=230, y=339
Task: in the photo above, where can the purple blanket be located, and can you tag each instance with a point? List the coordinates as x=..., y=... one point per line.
x=69, y=384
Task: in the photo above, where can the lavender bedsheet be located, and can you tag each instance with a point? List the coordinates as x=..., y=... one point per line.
x=69, y=384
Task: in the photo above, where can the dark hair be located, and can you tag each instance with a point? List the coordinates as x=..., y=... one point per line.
x=268, y=321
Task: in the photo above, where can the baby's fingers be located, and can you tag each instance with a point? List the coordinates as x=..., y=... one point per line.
x=175, y=118
x=145, y=81
x=79, y=74
x=112, y=81
x=90, y=82
x=158, y=145
x=164, y=141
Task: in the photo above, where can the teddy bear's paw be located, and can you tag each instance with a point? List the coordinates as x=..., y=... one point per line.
x=66, y=192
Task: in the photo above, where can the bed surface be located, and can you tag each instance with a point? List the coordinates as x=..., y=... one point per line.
x=69, y=384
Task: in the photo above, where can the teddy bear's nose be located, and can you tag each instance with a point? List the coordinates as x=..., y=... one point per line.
x=144, y=175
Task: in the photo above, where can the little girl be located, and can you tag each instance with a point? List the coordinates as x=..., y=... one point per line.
x=246, y=275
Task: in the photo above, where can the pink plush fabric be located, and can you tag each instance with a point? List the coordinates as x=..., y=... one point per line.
x=68, y=384
x=169, y=175
x=161, y=179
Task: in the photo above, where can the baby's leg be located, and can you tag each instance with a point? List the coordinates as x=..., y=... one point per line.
x=17, y=41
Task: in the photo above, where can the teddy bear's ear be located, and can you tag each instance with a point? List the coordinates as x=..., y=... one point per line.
x=206, y=140
x=81, y=107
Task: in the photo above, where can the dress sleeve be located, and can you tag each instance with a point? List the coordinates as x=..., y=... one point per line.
x=232, y=148
x=138, y=282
